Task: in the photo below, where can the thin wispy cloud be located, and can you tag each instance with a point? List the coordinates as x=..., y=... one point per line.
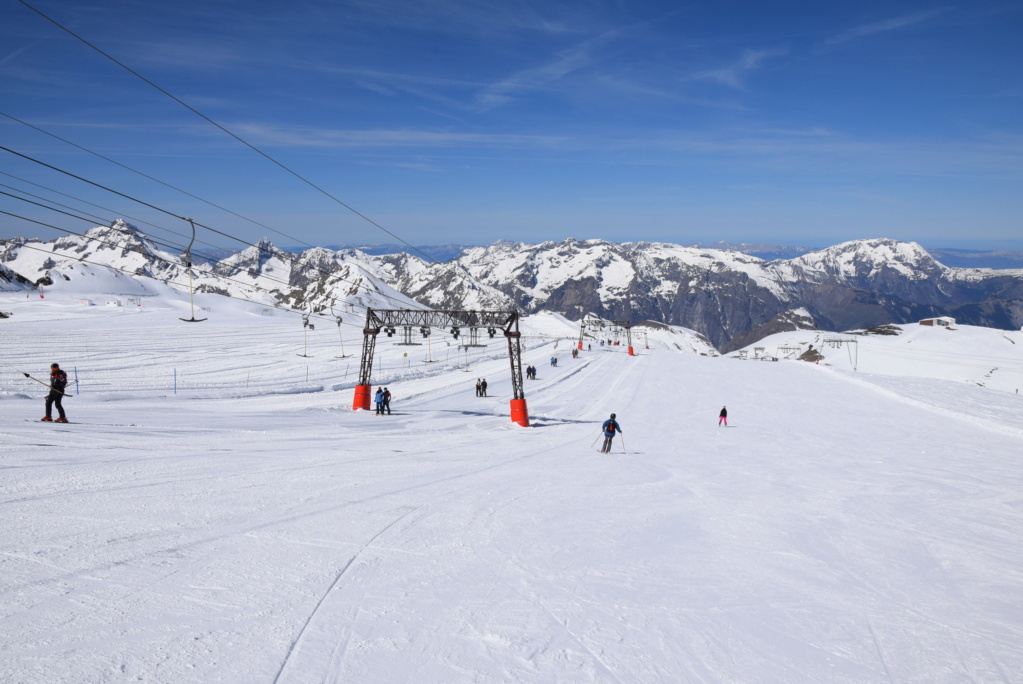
x=734, y=75
x=450, y=92
x=405, y=80
x=336, y=138
x=7, y=58
x=169, y=55
x=536, y=78
x=567, y=62
x=632, y=88
x=456, y=18
x=893, y=24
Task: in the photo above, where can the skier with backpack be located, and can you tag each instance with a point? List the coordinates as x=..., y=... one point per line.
x=610, y=429
x=58, y=381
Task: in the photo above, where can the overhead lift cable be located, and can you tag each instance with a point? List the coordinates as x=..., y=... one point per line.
x=228, y=132
x=155, y=180
x=472, y=279
x=121, y=246
x=168, y=185
x=44, y=199
x=91, y=204
x=154, y=240
x=169, y=213
x=158, y=243
x=145, y=275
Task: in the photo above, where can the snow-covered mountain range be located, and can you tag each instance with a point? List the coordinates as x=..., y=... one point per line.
x=730, y=297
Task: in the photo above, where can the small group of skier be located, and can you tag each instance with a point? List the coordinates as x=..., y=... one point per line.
x=530, y=372
x=481, y=387
x=383, y=401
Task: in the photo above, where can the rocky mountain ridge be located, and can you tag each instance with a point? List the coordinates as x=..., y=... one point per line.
x=728, y=296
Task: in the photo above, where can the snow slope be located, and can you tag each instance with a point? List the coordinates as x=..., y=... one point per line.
x=253, y=528
x=981, y=356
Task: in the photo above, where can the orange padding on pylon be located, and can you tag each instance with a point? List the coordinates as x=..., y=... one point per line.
x=363, y=397
x=519, y=412
x=631, y=353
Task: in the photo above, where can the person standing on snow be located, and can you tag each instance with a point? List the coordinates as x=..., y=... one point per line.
x=610, y=428
x=58, y=381
x=483, y=388
x=723, y=416
x=479, y=388
x=379, y=400
x=386, y=401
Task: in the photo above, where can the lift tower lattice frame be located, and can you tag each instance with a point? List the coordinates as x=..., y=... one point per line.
x=598, y=323
x=388, y=320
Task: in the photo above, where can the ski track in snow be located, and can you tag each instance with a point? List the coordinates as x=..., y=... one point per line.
x=850, y=529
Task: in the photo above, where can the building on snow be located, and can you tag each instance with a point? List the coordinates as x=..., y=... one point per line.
x=940, y=321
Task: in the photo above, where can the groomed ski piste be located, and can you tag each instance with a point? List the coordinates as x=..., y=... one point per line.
x=217, y=512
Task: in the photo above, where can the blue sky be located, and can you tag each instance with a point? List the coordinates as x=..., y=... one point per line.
x=468, y=122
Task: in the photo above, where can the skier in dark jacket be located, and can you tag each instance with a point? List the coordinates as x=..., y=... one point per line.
x=610, y=428
x=58, y=381
x=386, y=401
x=723, y=416
x=483, y=388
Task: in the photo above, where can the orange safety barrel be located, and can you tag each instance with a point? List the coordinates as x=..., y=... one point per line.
x=519, y=412
x=363, y=397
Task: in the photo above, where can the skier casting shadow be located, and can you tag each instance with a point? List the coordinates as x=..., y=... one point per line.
x=610, y=428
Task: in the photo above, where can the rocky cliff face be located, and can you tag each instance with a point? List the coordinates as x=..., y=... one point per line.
x=11, y=281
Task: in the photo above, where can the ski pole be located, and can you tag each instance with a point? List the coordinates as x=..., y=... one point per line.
x=30, y=376
x=623, y=445
x=45, y=384
x=595, y=442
